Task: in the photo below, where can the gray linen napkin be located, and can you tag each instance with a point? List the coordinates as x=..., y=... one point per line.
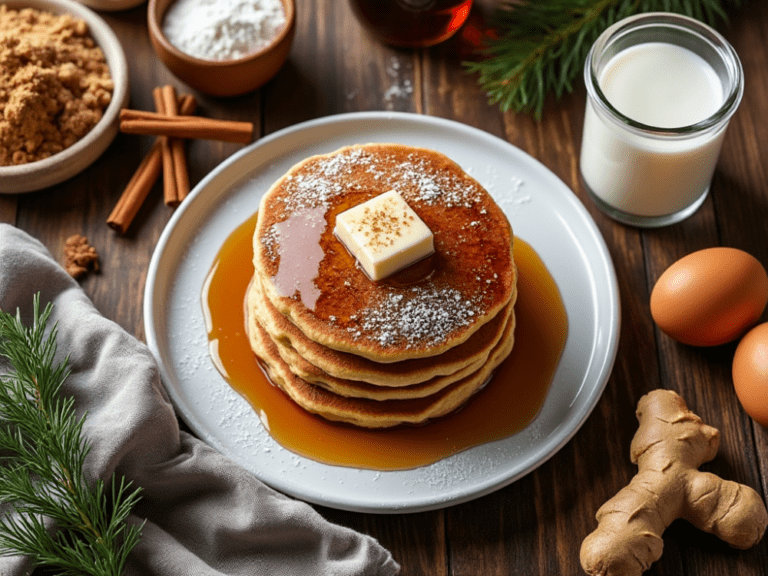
x=204, y=514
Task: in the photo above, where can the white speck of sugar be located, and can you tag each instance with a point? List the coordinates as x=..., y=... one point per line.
x=269, y=240
x=513, y=196
x=397, y=89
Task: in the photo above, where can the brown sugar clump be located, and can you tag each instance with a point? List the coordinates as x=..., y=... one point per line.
x=79, y=256
x=54, y=84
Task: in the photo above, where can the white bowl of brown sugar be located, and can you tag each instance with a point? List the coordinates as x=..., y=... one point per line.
x=63, y=88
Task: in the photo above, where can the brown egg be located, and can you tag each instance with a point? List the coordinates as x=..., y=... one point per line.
x=750, y=373
x=710, y=297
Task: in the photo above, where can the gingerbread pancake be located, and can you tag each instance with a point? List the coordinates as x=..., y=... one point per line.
x=361, y=389
x=308, y=275
x=373, y=413
x=320, y=364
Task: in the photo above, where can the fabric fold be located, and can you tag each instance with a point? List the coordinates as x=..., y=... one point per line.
x=204, y=515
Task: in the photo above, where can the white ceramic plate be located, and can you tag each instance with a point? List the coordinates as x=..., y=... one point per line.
x=543, y=212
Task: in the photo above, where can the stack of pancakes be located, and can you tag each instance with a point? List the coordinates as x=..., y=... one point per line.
x=405, y=349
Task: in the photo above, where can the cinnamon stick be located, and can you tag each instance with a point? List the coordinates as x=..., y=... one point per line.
x=180, y=171
x=143, y=179
x=141, y=122
x=136, y=190
x=170, y=197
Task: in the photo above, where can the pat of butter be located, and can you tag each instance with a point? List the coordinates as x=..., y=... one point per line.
x=384, y=234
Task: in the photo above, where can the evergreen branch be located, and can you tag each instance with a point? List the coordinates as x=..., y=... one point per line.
x=540, y=45
x=56, y=517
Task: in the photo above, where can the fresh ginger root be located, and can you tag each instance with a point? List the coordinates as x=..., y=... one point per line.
x=669, y=445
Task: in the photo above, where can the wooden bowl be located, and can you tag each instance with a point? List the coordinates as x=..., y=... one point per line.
x=222, y=77
x=70, y=161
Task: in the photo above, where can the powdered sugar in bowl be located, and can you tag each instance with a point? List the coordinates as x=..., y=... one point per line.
x=222, y=47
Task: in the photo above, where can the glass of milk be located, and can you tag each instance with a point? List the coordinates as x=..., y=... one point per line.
x=661, y=89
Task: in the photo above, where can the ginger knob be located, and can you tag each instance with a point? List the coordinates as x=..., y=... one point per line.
x=670, y=444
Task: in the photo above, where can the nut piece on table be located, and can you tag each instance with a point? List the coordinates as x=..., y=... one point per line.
x=79, y=256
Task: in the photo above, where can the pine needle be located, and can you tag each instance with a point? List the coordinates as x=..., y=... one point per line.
x=541, y=45
x=57, y=518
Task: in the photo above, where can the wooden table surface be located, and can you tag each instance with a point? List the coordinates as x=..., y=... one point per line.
x=536, y=525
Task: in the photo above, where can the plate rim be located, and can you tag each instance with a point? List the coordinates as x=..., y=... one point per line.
x=417, y=504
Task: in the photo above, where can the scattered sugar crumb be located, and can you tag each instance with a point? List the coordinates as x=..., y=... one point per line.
x=79, y=256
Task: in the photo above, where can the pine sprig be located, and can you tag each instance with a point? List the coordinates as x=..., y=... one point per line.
x=540, y=45
x=59, y=519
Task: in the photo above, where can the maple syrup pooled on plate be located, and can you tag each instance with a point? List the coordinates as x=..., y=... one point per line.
x=504, y=406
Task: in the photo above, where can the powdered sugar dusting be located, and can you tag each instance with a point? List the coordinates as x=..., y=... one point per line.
x=401, y=87
x=416, y=179
x=270, y=241
x=423, y=316
x=318, y=186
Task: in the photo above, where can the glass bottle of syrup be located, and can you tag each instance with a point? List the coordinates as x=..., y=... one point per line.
x=412, y=23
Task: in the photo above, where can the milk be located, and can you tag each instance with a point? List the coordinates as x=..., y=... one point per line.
x=655, y=165
x=662, y=85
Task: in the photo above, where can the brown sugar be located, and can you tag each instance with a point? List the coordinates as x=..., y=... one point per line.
x=79, y=256
x=54, y=84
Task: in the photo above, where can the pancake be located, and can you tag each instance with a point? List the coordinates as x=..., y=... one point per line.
x=324, y=365
x=358, y=389
x=309, y=276
x=372, y=413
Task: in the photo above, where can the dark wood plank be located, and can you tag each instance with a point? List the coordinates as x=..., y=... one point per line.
x=8, y=208
x=336, y=67
x=740, y=195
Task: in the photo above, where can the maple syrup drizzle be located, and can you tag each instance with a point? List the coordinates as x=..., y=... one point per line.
x=300, y=234
x=506, y=405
